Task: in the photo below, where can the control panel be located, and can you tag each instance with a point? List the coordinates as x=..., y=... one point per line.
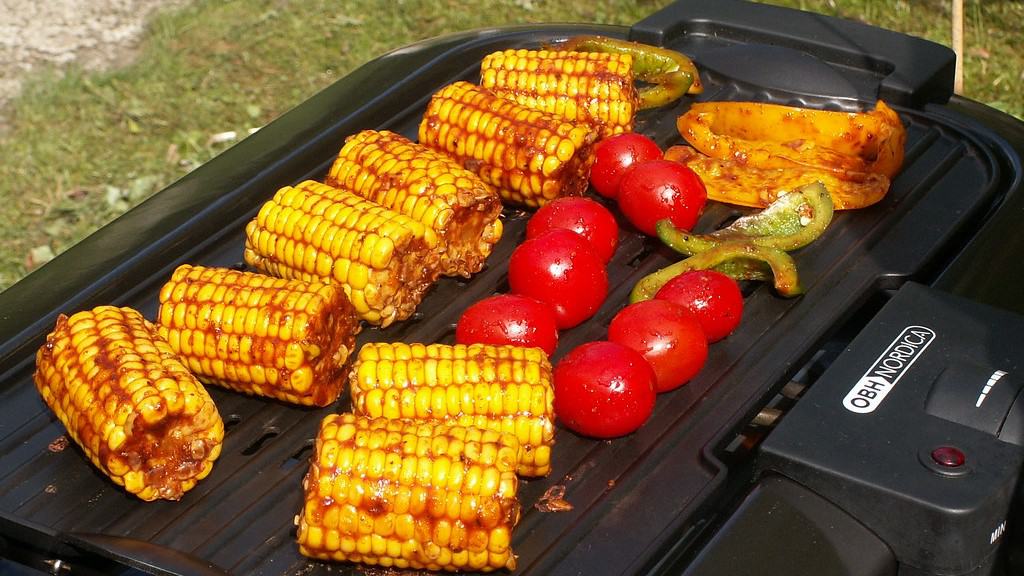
x=917, y=431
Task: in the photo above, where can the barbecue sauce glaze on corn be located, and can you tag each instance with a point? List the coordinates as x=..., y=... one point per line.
x=285, y=339
x=129, y=402
x=502, y=388
x=427, y=186
x=404, y=494
x=594, y=88
x=529, y=156
x=384, y=260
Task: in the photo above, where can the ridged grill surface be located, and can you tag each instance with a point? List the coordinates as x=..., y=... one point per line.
x=630, y=496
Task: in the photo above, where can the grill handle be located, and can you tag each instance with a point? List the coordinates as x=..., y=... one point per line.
x=43, y=546
x=145, y=556
x=911, y=71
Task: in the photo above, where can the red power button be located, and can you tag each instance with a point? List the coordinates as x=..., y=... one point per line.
x=948, y=456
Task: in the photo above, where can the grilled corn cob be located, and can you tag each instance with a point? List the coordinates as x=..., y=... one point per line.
x=593, y=88
x=129, y=402
x=503, y=388
x=285, y=339
x=410, y=495
x=385, y=261
x=529, y=156
x=427, y=186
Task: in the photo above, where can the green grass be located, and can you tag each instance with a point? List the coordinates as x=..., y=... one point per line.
x=84, y=147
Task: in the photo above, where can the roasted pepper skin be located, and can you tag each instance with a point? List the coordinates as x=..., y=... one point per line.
x=793, y=221
x=740, y=183
x=750, y=150
x=745, y=269
x=777, y=136
x=670, y=73
x=783, y=268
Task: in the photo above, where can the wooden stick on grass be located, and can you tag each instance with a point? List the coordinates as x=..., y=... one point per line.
x=958, y=45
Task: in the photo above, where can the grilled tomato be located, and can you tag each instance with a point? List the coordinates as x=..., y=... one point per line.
x=509, y=319
x=603, y=390
x=713, y=298
x=561, y=269
x=615, y=156
x=584, y=216
x=662, y=189
x=668, y=337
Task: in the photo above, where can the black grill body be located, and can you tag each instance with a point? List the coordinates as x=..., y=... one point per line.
x=647, y=503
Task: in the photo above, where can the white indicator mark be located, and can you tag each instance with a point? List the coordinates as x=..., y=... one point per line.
x=997, y=533
x=988, y=386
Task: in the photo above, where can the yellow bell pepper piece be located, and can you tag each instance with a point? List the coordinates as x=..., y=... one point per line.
x=775, y=136
x=734, y=182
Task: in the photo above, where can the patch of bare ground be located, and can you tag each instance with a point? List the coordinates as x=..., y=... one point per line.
x=94, y=34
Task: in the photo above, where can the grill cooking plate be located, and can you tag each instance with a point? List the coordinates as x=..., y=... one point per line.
x=638, y=502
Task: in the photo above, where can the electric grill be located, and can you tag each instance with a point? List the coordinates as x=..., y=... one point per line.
x=783, y=456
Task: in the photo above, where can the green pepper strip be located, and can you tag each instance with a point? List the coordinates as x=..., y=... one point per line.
x=671, y=73
x=792, y=221
x=745, y=269
x=783, y=268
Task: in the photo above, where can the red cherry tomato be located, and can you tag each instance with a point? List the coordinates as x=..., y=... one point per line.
x=509, y=319
x=615, y=156
x=712, y=297
x=583, y=216
x=603, y=390
x=668, y=336
x=662, y=189
x=560, y=269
